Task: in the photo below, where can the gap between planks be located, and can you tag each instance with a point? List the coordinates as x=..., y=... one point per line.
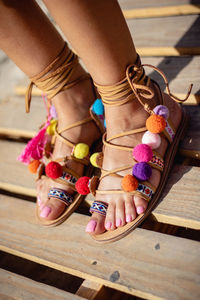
x=166, y=11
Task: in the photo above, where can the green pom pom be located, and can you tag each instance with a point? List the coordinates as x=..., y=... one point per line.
x=51, y=128
x=93, y=159
x=81, y=150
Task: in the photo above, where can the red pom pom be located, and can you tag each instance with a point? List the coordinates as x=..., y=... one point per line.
x=54, y=170
x=82, y=185
x=155, y=124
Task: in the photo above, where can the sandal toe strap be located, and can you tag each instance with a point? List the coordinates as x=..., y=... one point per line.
x=99, y=207
x=61, y=195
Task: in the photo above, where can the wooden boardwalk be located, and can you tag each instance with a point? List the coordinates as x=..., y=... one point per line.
x=159, y=260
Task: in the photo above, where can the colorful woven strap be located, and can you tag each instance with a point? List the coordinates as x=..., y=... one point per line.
x=169, y=130
x=61, y=195
x=145, y=190
x=157, y=161
x=99, y=207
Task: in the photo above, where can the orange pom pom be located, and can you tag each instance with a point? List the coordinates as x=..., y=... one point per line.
x=129, y=183
x=33, y=166
x=155, y=123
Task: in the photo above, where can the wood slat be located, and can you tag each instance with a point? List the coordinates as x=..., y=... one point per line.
x=145, y=263
x=90, y=290
x=166, y=11
x=13, y=286
x=135, y=4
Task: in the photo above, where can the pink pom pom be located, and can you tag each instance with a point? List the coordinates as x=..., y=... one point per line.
x=142, y=153
x=151, y=139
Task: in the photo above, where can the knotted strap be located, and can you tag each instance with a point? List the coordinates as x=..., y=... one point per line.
x=56, y=76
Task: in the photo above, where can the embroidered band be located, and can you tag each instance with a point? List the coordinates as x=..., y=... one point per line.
x=99, y=207
x=61, y=195
x=169, y=131
x=69, y=178
x=145, y=190
x=157, y=162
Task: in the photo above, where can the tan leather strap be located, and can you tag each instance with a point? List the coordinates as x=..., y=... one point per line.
x=56, y=76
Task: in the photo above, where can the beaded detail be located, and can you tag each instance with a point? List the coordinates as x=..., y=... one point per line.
x=61, y=195
x=99, y=207
x=169, y=131
x=157, y=162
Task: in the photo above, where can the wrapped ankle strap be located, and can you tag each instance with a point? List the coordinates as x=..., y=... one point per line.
x=55, y=77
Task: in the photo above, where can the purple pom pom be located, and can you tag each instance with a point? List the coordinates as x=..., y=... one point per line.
x=162, y=110
x=142, y=171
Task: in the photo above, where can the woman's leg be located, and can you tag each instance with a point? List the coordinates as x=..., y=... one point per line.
x=31, y=41
x=98, y=32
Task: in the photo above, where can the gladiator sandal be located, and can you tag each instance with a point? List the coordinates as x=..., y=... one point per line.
x=38, y=152
x=136, y=85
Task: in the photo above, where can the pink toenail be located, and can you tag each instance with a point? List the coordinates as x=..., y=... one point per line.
x=45, y=212
x=128, y=218
x=118, y=222
x=91, y=226
x=108, y=225
x=140, y=210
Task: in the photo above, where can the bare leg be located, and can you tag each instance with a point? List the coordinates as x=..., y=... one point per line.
x=31, y=41
x=98, y=32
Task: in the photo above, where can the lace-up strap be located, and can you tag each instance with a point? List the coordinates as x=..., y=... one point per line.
x=56, y=76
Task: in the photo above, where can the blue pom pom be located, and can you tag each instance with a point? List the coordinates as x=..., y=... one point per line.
x=104, y=123
x=98, y=107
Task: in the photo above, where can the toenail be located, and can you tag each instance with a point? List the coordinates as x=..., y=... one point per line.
x=45, y=212
x=118, y=222
x=128, y=218
x=91, y=226
x=140, y=210
x=108, y=225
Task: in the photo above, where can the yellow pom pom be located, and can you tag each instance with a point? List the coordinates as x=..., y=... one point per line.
x=93, y=159
x=81, y=150
x=51, y=128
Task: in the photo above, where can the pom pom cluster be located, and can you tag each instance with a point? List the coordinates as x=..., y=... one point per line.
x=143, y=153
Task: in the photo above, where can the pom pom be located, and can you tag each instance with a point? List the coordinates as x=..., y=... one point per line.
x=81, y=150
x=142, y=171
x=142, y=153
x=162, y=110
x=104, y=123
x=33, y=166
x=82, y=185
x=53, y=112
x=155, y=123
x=98, y=107
x=151, y=139
x=129, y=183
x=93, y=159
x=54, y=170
x=51, y=128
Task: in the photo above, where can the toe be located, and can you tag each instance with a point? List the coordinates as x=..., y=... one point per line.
x=130, y=210
x=120, y=213
x=140, y=204
x=110, y=217
x=52, y=209
x=96, y=224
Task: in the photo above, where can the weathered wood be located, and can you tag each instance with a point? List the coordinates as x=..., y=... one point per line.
x=145, y=263
x=135, y=4
x=160, y=32
x=90, y=290
x=167, y=11
x=13, y=286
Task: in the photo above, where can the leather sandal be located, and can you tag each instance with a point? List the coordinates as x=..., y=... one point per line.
x=136, y=85
x=38, y=152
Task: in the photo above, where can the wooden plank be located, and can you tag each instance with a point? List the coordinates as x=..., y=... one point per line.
x=90, y=290
x=159, y=32
x=136, y=4
x=167, y=51
x=166, y=11
x=145, y=263
x=13, y=286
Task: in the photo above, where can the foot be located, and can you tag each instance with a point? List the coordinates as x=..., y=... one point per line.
x=123, y=208
x=71, y=105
